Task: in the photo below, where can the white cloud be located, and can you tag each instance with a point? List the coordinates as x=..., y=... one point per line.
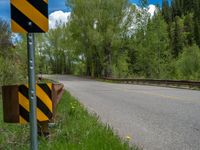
x=58, y=18
x=152, y=9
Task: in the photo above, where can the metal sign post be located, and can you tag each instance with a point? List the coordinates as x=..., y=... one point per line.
x=32, y=90
x=30, y=16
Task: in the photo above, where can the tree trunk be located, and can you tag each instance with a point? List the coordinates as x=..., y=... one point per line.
x=108, y=63
x=88, y=68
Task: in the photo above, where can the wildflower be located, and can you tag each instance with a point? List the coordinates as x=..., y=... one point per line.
x=128, y=137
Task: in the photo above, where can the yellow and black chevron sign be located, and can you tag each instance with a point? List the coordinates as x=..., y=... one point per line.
x=44, y=102
x=29, y=16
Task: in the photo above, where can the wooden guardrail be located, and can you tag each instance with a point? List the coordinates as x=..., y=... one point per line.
x=182, y=83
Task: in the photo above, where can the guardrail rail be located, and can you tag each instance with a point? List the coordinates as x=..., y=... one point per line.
x=179, y=83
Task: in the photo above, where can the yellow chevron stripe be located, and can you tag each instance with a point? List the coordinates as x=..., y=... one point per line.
x=49, y=85
x=44, y=97
x=17, y=28
x=46, y=1
x=22, y=121
x=24, y=102
x=32, y=13
x=41, y=116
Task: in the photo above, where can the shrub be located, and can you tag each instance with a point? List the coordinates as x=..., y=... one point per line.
x=188, y=64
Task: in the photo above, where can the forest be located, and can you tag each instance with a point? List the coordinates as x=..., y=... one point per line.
x=112, y=39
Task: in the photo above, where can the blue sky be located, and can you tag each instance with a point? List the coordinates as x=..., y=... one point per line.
x=149, y=1
x=54, y=5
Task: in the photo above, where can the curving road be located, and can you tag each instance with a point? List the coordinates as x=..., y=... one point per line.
x=156, y=118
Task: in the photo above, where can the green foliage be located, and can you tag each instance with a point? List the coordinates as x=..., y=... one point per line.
x=152, y=49
x=189, y=27
x=114, y=38
x=197, y=31
x=11, y=71
x=188, y=9
x=120, y=69
x=177, y=37
x=188, y=64
x=79, y=69
x=98, y=29
x=166, y=13
x=5, y=39
x=177, y=8
x=53, y=52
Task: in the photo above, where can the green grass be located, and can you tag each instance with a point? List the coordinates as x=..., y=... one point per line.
x=75, y=129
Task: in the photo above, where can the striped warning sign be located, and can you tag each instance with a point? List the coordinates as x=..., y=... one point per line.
x=29, y=16
x=44, y=110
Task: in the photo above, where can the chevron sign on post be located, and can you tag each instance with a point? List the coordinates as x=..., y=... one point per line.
x=30, y=16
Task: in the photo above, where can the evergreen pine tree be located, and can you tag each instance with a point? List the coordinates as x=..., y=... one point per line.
x=177, y=8
x=188, y=6
x=197, y=31
x=197, y=21
x=166, y=11
x=177, y=43
x=188, y=29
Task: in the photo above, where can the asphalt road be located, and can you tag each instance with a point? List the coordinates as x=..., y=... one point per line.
x=156, y=118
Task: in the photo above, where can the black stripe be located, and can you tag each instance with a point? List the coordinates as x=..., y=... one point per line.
x=23, y=21
x=24, y=113
x=24, y=91
x=44, y=108
x=46, y=89
x=41, y=6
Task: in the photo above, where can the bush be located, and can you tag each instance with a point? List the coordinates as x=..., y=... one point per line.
x=10, y=72
x=188, y=64
x=120, y=69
